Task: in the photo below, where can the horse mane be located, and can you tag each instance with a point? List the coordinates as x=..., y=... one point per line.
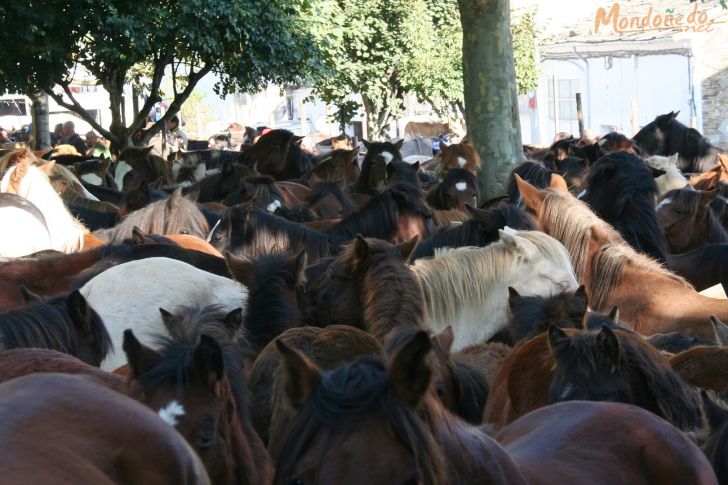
x=690, y=201
x=691, y=145
x=140, y=158
x=478, y=231
x=344, y=396
x=159, y=218
x=467, y=274
x=268, y=314
x=572, y=222
x=177, y=351
x=532, y=172
x=47, y=324
x=677, y=402
x=22, y=155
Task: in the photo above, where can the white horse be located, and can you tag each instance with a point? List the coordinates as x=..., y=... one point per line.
x=25, y=228
x=66, y=233
x=673, y=177
x=131, y=294
x=467, y=288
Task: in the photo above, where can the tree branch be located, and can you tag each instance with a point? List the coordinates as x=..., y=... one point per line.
x=76, y=107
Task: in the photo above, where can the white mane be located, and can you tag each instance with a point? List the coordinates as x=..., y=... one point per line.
x=468, y=287
x=65, y=231
x=673, y=178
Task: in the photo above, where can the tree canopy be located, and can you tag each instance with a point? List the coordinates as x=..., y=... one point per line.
x=248, y=43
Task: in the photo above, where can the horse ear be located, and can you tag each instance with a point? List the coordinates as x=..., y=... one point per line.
x=79, y=310
x=674, y=114
x=406, y=249
x=361, y=248
x=193, y=194
x=720, y=329
x=138, y=236
x=29, y=296
x=399, y=144
x=233, y=321
x=140, y=357
x=241, y=270
x=47, y=168
x=531, y=196
x=297, y=267
x=559, y=341
x=148, y=149
x=366, y=143
x=105, y=165
x=707, y=196
x=513, y=297
x=614, y=314
x=416, y=166
x=301, y=374
x=207, y=360
x=174, y=199
x=409, y=371
x=673, y=159
x=352, y=154
x=167, y=319
x=580, y=295
x=608, y=346
x=714, y=414
x=508, y=239
x=557, y=182
x=298, y=139
x=443, y=340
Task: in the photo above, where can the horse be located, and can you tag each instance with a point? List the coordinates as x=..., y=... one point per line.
x=336, y=165
x=712, y=178
x=537, y=175
x=137, y=165
x=218, y=186
x=384, y=415
x=85, y=432
x=467, y=287
x=703, y=267
x=458, y=155
x=373, y=176
x=605, y=365
x=66, y=323
x=672, y=179
x=328, y=347
x=148, y=285
x=480, y=230
x=275, y=284
x=666, y=136
x=279, y=154
x=66, y=233
x=212, y=159
x=403, y=172
x=703, y=366
x=27, y=231
x=176, y=215
x=458, y=189
x=330, y=201
x=614, y=274
x=95, y=172
x=688, y=221
x=258, y=191
x=716, y=444
x=621, y=191
x=369, y=286
x=194, y=377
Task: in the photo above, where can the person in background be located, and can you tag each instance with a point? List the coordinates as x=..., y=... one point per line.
x=4, y=138
x=177, y=139
x=70, y=137
x=57, y=134
x=96, y=147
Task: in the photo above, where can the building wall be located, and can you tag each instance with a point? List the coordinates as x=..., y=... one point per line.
x=656, y=83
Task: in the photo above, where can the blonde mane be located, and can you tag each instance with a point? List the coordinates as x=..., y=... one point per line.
x=572, y=222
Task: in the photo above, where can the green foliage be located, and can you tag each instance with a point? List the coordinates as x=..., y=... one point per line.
x=248, y=43
x=524, y=53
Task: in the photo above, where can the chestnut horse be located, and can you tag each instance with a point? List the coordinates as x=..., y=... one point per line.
x=650, y=298
x=688, y=221
x=458, y=155
x=377, y=422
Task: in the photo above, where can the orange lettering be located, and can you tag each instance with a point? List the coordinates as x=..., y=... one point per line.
x=604, y=18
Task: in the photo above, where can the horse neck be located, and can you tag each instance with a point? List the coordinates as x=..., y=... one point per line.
x=391, y=297
x=269, y=314
x=469, y=452
x=373, y=220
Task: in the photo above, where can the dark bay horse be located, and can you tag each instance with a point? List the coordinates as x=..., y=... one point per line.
x=666, y=135
x=688, y=221
x=458, y=189
x=278, y=154
x=373, y=176
x=373, y=421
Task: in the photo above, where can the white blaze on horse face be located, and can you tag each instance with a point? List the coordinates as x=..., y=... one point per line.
x=274, y=205
x=171, y=412
x=92, y=178
x=212, y=231
x=388, y=157
x=462, y=162
x=663, y=203
x=461, y=186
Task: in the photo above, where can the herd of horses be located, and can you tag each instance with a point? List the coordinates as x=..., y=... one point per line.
x=271, y=317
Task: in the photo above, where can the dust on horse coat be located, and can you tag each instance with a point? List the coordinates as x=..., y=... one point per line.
x=467, y=288
x=25, y=227
x=66, y=233
x=130, y=295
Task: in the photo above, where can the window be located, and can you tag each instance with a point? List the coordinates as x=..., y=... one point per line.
x=565, y=104
x=13, y=107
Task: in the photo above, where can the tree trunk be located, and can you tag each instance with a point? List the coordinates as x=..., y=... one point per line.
x=491, y=102
x=41, y=123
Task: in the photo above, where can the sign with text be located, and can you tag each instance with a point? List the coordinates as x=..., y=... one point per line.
x=685, y=18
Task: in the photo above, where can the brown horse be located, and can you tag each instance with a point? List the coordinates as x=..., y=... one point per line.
x=331, y=200
x=369, y=286
x=67, y=429
x=329, y=348
x=615, y=275
x=688, y=221
x=608, y=365
x=716, y=442
x=373, y=176
x=704, y=366
x=196, y=381
x=458, y=189
x=337, y=165
x=458, y=155
x=377, y=422
x=278, y=154
x=710, y=179
x=144, y=166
